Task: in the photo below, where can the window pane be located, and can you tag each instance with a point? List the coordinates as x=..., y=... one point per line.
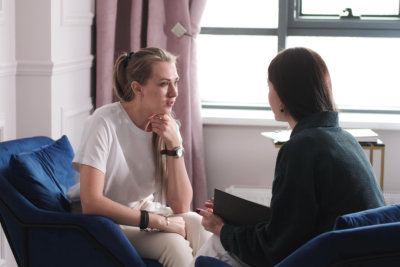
x=359, y=7
x=241, y=14
x=233, y=69
x=364, y=71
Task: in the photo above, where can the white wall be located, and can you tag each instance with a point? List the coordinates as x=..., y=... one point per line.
x=45, y=65
x=7, y=70
x=239, y=155
x=54, y=62
x=391, y=138
x=7, y=97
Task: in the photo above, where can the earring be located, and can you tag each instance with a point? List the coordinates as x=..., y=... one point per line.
x=282, y=110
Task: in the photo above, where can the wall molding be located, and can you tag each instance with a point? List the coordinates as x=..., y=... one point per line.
x=8, y=68
x=49, y=68
x=69, y=113
x=1, y=12
x=73, y=65
x=74, y=18
x=2, y=130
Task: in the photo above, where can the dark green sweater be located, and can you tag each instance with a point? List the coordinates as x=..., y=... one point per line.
x=321, y=172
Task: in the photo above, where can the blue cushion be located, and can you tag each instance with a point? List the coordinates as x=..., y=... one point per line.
x=44, y=176
x=386, y=214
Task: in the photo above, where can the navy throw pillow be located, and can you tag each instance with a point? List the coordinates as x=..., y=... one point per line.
x=44, y=176
x=385, y=214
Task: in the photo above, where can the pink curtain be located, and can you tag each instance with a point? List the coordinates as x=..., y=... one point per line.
x=131, y=24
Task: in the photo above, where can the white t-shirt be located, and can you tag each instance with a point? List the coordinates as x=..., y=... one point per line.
x=113, y=144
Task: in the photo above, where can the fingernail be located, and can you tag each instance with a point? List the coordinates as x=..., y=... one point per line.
x=197, y=210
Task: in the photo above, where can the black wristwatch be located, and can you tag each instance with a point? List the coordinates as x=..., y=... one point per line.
x=176, y=152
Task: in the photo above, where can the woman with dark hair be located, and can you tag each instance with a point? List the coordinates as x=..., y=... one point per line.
x=321, y=172
x=130, y=161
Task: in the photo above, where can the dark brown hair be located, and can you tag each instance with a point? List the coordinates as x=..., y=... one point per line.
x=302, y=82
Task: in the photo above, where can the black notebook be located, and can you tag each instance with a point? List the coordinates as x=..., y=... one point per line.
x=238, y=211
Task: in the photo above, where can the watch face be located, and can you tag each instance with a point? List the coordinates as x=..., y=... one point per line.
x=179, y=152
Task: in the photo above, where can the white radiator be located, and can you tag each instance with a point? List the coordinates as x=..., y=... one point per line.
x=263, y=195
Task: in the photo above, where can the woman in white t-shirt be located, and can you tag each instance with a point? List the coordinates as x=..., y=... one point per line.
x=131, y=152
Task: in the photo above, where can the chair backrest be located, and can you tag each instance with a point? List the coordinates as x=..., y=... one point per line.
x=14, y=207
x=9, y=148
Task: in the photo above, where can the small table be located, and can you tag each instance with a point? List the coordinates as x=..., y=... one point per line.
x=371, y=146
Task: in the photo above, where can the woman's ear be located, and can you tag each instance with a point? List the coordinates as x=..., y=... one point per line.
x=137, y=88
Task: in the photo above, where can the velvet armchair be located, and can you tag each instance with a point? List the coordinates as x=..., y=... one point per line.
x=367, y=238
x=34, y=176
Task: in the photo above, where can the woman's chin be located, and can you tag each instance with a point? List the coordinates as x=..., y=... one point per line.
x=168, y=110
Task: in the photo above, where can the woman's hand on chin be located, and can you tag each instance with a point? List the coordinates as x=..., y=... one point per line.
x=165, y=126
x=148, y=127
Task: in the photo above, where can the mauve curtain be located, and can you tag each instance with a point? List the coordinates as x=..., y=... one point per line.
x=127, y=25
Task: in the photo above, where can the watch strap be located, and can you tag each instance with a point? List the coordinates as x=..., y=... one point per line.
x=169, y=152
x=175, y=152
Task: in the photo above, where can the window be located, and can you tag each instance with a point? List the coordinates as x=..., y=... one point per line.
x=235, y=47
x=364, y=8
x=358, y=39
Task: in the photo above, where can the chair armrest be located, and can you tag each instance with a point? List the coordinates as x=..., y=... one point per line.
x=97, y=233
x=367, y=242
x=100, y=230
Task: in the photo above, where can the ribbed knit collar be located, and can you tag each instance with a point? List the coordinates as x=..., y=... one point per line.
x=320, y=119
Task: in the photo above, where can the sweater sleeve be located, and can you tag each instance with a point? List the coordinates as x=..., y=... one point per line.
x=293, y=214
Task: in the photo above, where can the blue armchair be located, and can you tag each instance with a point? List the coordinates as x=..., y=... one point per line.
x=42, y=237
x=365, y=239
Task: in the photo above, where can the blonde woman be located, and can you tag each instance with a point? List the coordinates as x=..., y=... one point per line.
x=131, y=164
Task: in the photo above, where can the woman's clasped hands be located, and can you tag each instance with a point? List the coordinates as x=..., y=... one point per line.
x=175, y=224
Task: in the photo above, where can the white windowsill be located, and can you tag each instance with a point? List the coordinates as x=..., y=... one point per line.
x=266, y=118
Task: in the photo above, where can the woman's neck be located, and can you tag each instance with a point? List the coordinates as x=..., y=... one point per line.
x=292, y=122
x=135, y=114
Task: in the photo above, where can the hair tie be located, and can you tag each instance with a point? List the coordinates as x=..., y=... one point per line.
x=127, y=58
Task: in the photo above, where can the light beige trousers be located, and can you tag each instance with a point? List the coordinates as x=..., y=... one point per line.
x=213, y=248
x=170, y=249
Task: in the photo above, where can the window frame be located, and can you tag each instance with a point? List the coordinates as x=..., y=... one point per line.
x=371, y=26
x=292, y=23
